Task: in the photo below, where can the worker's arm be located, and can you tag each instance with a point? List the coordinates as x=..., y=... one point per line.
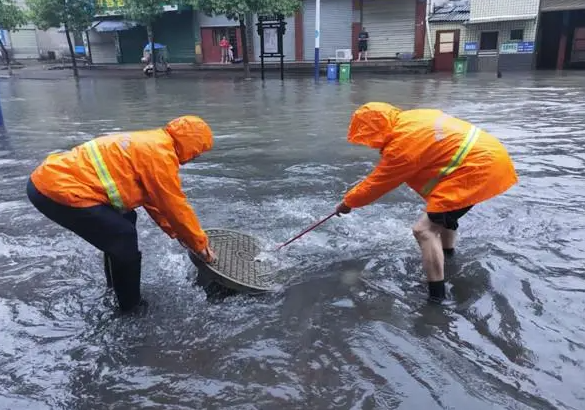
x=388, y=175
x=160, y=177
x=160, y=220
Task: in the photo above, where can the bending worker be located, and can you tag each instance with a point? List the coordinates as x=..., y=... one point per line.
x=450, y=163
x=93, y=190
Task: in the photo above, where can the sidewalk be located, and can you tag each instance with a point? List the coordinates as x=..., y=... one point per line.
x=46, y=71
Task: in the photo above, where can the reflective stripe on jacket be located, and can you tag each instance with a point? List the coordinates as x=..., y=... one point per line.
x=130, y=170
x=449, y=162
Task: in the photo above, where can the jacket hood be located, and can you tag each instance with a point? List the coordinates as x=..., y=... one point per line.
x=191, y=135
x=372, y=124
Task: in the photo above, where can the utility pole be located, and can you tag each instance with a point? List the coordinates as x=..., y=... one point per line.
x=317, y=36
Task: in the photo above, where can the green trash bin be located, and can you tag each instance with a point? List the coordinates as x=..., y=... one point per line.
x=460, y=66
x=344, y=71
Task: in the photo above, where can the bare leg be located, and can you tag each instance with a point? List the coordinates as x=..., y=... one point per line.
x=448, y=238
x=428, y=236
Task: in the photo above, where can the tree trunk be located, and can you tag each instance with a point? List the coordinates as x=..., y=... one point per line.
x=244, y=48
x=5, y=53
x=72, y=52
x=150, y=30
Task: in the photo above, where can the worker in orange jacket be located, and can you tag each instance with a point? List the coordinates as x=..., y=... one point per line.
x=93, y=190
x=452, y=164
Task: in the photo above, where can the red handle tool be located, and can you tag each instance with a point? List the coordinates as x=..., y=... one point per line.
x=306, y=231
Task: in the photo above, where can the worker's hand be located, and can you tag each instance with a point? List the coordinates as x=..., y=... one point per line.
x=342, y=209
x=207, y=255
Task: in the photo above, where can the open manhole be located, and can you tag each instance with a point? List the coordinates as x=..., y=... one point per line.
x=237, y=266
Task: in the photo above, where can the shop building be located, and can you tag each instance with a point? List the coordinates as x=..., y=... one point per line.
x=561, y=35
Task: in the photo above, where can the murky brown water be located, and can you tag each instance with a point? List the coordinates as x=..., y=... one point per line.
x=352, y=330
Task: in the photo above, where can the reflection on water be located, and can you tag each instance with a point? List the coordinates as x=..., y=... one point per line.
x=351, y=330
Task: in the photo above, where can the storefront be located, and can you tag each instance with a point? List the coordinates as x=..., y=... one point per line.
x=213, y=29
x=336, y=27
x=501, y=45
x=390, y=26
x=103, y=41
x=115, y=40
x=175, y=30
x=24, y=43
x=561, y=34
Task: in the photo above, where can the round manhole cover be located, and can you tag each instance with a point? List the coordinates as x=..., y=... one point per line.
x=237, y=265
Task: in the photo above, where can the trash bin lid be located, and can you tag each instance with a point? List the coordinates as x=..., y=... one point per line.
x=237, y=265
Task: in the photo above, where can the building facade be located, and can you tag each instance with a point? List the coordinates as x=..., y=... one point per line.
x=190, y=36
x=501, y=34
x=496, y=35
x=508, y=35
x=31, y=43
x=561, y=35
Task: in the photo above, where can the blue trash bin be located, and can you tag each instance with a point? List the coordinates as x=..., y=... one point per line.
x=332, y=72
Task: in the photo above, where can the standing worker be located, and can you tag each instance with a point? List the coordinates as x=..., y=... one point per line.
x=93, y=190
x=451, y=164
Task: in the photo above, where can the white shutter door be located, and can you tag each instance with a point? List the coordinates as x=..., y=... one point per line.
x=554, y=5
x=103, y=48
x=336, y=20
x=390, y=25
x=24, y=44
x=288, y=40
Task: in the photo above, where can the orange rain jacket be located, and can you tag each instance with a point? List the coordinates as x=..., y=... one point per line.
x=144, y=166
x=417, y=146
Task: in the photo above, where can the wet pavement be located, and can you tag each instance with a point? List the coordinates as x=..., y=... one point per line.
x=351, y=329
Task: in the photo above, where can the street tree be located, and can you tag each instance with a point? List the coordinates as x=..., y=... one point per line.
x=237, y=10
x=145, y=12
x=72, y=15
x=12, y=18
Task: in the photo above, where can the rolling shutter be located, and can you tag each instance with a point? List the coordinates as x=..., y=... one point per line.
x=103, y=47
x=336, y=22
x=24, y=44
x=391, y=26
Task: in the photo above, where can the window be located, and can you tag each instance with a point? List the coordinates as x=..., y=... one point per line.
x=517, y=35
x=488, y=40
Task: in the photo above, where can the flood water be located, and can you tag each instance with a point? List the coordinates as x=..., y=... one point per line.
x=351, y=330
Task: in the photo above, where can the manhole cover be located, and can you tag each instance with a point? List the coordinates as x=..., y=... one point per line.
x=237, y=265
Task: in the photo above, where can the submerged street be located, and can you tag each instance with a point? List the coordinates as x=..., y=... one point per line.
x=350, y=328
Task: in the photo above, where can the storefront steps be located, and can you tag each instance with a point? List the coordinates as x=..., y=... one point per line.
x=34, y=70
x=296, y=67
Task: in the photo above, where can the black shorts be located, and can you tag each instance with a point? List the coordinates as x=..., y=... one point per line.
x=362, y=46
x=448, y=220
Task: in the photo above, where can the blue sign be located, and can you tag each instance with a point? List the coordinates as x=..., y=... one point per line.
x=526, y=47
x=470, y=47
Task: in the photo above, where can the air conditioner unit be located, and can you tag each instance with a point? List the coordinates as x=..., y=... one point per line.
x=343, y=54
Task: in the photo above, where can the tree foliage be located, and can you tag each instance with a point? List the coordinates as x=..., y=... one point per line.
x=11, y=16
x=74, y=15
x=145, y=12
x=236, y=9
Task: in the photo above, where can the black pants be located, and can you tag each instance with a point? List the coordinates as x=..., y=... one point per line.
x=102, y=226
x=449, y=220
